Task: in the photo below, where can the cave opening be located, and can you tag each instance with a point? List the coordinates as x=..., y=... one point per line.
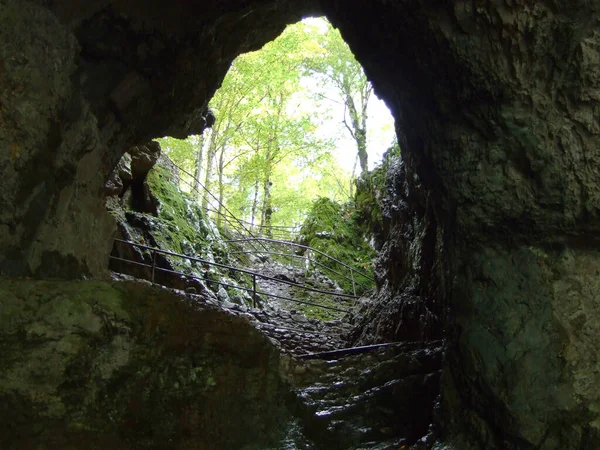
x=293, y=153
x=483, y=255
x=292, y=122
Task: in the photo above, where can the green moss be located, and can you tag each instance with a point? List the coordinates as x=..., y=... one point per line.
x=182, y=225
x=334, y=229
x=370, y=192
x=181, y=220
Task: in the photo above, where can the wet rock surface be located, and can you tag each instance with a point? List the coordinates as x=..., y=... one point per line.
x=381, y=398
x=131, y=365
x=292, y=332
x=298, y=335
x=300, y=290
x=127, y=365
x=496, y=109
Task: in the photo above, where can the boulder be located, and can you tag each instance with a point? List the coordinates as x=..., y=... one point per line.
x=105, y=365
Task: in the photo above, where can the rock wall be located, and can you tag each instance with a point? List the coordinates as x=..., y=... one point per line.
x=525, y=362
x=51, y=222
x=493, y=233
x=496, y=108
x=81, y=82
x=126, y=365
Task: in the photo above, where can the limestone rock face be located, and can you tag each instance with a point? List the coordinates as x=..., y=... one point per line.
x=125, y=365
x=495, y=207
x=51, y=222
x=143, y=158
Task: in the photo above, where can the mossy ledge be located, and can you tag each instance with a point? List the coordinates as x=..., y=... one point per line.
x=126, y=365
x=334, y=229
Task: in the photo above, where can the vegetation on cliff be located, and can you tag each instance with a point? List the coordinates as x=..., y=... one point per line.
x=182, y=225
x=335, y=230
x=371, y=196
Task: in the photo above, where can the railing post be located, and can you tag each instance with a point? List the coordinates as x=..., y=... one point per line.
x=292, y=256
x=353, y=283
x=254, y=289
x=153, y=264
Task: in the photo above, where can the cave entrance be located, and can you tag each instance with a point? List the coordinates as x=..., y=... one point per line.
x=291, y=161
x=292, y=154
x=295, y=121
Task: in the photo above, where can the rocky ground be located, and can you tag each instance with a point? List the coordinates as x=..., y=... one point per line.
x=293, y=332
x=357, y=398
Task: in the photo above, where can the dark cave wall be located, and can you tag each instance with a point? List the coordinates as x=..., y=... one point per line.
x=492, y=239
x=81, y=82
x=496, y=108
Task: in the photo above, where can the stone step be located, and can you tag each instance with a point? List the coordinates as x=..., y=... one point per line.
x=380, y=396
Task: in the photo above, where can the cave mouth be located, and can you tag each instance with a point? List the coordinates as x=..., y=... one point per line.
x=292, y=122
x=497, y=190
x=292, y=156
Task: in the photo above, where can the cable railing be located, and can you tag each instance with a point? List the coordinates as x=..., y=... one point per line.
x=274, y=231
x=155, y=268
x=292, y=245
x=193, y=186
x=245, y=234
x=229, y=217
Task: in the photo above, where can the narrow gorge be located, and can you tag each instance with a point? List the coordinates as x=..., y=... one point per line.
x=487, y=274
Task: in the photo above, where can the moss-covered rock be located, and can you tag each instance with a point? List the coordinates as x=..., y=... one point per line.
x=334, y=229
x=372, y=197
x=182, y=226
x=155, y=212
x=126, y=365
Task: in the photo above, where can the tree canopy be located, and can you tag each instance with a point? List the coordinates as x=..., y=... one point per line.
x=272, y=149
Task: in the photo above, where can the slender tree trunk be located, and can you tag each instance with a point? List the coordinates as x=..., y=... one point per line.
x=221, y=188
x=358, y=129
x=267, y=210
x=198, y=167
x=254, y=204
x=210, y=156
x=363, y=156
x=267, y=207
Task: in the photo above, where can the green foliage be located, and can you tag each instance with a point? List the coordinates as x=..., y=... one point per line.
x=181, y=151
x=333, y=229
x=182, y=225
x=270, y=151
x=335, y=67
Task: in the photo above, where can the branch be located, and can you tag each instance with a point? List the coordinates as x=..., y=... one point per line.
x=349, y=127
x=324, y=97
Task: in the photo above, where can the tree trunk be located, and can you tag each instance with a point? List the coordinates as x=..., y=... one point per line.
x=358, y=129
x=361, y=144
x=267, y=207
x=221, y=188
x=358, y=126
x=198, y=168
x=267, y=210
x=210, y=156
x=254, y=205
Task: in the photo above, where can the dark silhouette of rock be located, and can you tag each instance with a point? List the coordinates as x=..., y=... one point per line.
x=494, y=208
